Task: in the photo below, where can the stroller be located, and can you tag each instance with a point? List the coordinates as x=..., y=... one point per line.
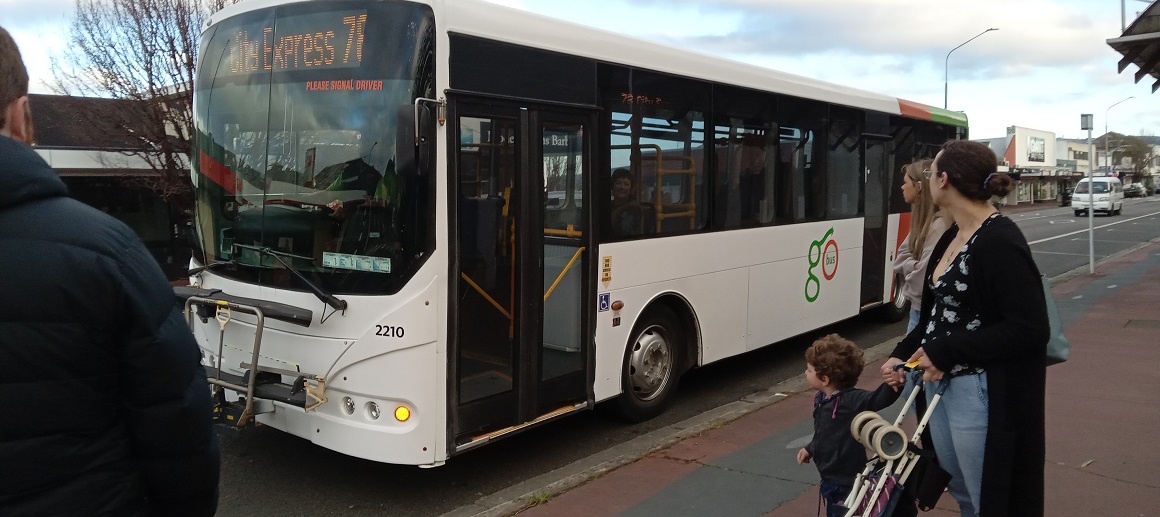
x=898, y=463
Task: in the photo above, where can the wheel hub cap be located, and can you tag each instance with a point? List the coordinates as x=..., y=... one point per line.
x=650, y=364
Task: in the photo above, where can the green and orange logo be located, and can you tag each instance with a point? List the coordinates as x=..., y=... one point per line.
x=823, y=252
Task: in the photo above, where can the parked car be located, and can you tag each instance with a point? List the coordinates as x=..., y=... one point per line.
x=1134, y=190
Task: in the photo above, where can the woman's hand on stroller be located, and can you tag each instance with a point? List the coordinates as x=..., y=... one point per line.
x=929, y=371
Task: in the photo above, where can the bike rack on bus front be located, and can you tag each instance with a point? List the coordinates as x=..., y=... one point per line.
x=258, y=382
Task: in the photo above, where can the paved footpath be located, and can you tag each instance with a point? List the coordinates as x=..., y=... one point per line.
x=1103, y=416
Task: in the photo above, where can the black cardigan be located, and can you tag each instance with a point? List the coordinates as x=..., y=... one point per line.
x=1012, y=346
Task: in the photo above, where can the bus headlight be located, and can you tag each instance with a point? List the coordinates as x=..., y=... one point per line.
x=348, y=405
x=373, y=410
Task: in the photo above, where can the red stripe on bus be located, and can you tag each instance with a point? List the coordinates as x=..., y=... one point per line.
x=914, y=110
x=217, y=173
x=903, y=229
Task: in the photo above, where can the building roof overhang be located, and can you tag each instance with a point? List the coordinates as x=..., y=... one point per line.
x=1140, y=45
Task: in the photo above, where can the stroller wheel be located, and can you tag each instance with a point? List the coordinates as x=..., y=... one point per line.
x=861, y=420
x=889, y=442
x=868, y=432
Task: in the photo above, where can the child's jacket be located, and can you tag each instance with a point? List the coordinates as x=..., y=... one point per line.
x=833, y=449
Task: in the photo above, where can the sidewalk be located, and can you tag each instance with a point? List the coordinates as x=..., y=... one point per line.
x=1103, y=456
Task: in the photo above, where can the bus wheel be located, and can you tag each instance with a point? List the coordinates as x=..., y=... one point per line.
x=898, y=309
x=651, y=366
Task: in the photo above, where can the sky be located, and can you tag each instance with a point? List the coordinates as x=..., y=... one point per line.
x=1048, y=63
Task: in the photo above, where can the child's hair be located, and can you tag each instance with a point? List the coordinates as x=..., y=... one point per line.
x=836, y=358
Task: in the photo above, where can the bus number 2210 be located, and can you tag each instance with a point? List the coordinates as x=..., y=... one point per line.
x=388, y=331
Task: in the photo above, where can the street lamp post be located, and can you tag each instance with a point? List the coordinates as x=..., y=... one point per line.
x=1111, y=166
x=946, y=63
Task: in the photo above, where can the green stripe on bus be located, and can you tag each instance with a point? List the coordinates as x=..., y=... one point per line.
x=954, y=118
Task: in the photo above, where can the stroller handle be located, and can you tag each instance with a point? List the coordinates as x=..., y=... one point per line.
x=910, y=367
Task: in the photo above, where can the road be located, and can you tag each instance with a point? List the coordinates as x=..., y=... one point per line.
x=269, y=473
x=1059, y=239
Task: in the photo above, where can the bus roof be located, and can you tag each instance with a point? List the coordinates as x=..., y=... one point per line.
x=501, y=23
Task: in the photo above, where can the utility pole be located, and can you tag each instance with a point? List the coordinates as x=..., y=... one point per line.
x=1085, y=122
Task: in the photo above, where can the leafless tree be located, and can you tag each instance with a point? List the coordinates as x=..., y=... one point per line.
x=142, y=51
x=1140, y=154
x=555, y=173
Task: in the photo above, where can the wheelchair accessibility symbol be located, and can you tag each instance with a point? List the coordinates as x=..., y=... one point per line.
x=605, y=302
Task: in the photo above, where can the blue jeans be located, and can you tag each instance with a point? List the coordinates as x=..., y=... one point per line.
x=833, y=496
x=914, y=315
x=958, y=427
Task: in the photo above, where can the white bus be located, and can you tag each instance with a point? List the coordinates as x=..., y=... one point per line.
x=418, y=198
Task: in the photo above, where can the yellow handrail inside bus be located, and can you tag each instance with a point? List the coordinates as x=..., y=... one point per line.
x=570, y=231
x=659, y=204
x=564, y=272
x=486, y=296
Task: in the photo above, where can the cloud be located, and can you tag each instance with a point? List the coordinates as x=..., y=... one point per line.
x=1033, y=33
x=24, y=13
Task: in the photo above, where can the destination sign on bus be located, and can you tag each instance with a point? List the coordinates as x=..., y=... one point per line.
x=312, y=41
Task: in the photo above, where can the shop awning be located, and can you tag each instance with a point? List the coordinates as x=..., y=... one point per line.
x=1140, y=44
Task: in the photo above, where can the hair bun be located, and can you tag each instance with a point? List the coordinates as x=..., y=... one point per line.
x=997, y=184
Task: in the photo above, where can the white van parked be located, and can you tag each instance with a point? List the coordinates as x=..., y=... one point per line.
x=1107, y=192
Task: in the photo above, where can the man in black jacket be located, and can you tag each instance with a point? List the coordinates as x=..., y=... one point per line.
x=106, y=408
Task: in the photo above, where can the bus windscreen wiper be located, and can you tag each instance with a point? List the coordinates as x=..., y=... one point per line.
x=327, y=298
x=208, y=267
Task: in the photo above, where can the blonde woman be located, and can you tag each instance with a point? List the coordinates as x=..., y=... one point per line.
x=926, y=226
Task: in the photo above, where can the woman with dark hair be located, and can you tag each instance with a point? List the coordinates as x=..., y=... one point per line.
x=983, y=331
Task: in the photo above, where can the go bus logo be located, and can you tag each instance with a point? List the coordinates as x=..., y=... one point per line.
x=823, y=252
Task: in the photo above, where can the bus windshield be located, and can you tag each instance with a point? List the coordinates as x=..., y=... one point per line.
x=296, y=110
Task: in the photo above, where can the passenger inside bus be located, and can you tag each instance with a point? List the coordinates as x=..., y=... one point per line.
x=629, y=215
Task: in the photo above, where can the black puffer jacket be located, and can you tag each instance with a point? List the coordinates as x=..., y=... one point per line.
x=105, y=405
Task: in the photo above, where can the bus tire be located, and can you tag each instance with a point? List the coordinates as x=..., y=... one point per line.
x=899, y=308
x=652, y=366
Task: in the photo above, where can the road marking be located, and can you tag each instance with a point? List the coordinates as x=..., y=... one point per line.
x=1113, y=286
x=1062, y=253
x=1097, y=228
x=1036, y=216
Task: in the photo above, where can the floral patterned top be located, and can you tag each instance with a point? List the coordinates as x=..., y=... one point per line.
x=954, y=308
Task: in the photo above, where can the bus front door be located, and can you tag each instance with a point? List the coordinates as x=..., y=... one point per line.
x=521, y=347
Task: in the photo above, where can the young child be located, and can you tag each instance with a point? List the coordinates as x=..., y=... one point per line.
x=833, y=365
